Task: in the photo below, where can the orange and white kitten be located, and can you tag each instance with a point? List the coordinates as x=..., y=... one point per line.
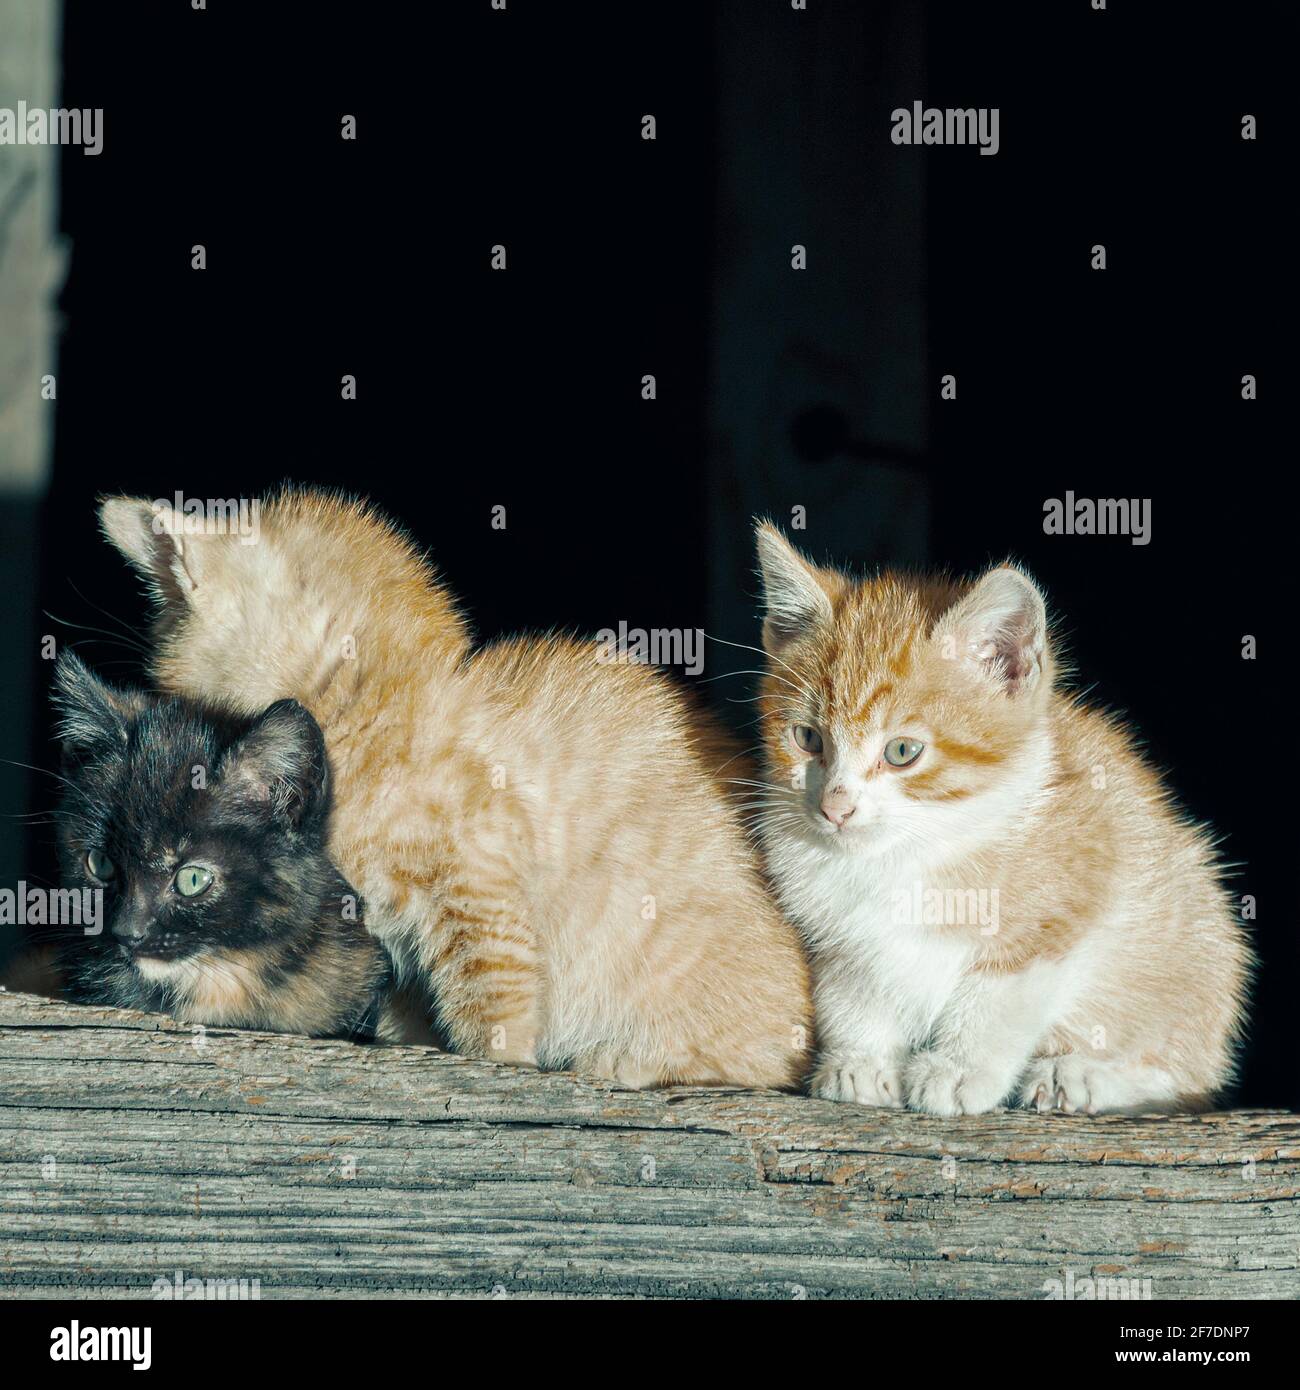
x=1000, y=901
x=542, y=837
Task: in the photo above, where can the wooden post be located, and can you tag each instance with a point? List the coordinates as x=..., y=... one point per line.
x=31, y=259
x=32, y=265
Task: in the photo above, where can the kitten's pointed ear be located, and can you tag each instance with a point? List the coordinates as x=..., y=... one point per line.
x=797, y=596
x=152, y=537
x=1000, y=629
x=281, y=763
x=92, y=714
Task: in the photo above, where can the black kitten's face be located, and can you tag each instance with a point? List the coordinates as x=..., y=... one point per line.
x=205, y=834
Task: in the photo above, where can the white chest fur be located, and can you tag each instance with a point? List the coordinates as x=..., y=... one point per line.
x=862, y=917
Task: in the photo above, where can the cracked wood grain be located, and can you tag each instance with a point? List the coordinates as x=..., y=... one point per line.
x=132, y=1146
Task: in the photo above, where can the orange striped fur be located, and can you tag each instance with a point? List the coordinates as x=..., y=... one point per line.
x=1020, y=914
x=544, y=840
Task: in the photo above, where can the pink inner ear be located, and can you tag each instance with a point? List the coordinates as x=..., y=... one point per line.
x=255, y=787
x=1017, y=651
x=1017, y=670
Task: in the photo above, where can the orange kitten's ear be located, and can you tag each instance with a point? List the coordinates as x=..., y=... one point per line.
x=152, y=537
x=1000, y=629
x=796, y=594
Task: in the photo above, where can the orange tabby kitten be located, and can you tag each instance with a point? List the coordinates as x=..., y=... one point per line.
x=1000, y=901
x=543, y=837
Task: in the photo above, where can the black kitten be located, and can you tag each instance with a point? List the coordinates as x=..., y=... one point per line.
x=206, y=833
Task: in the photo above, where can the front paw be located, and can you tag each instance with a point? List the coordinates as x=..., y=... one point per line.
x=518, y=1046
x=865, y=1080
x=940, y=1086
x=1041, y=1090
x=1075, y=1083
x=623, y=1069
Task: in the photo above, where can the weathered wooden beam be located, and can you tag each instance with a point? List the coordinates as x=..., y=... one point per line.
x=132, y=1147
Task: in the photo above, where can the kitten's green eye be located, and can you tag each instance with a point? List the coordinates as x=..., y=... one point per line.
x=806, y=738
x=192, y=879
x=100, y=865
x=899, y=752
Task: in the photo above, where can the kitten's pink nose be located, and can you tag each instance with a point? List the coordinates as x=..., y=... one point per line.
x=838, y=806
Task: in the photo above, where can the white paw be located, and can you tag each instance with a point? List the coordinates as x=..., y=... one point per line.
x=866, y=1080
x=1069, y=1083
x=939, y=1086
x=1055, y=1083
x=1076, y=1083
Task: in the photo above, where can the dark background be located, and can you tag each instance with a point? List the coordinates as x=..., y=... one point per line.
x=776, y=388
